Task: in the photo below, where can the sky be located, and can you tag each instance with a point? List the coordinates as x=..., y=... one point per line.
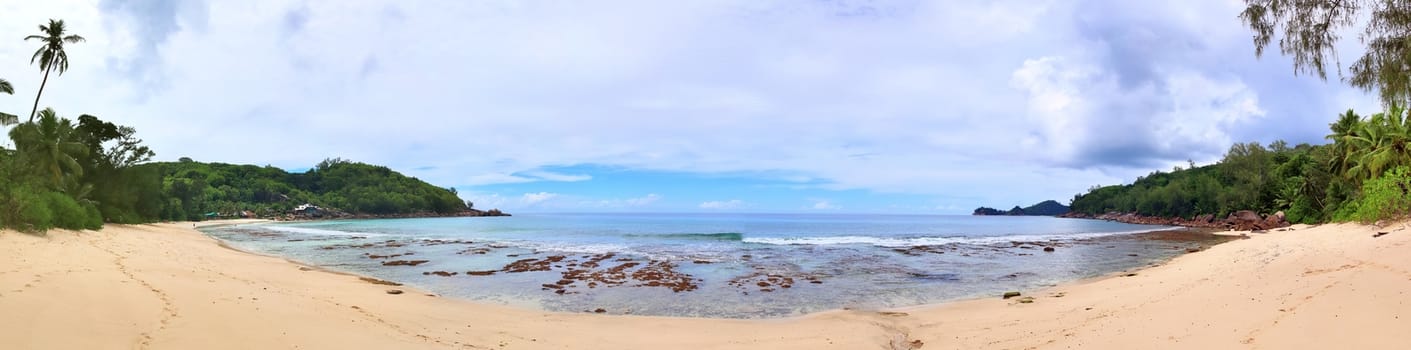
x=906, y=106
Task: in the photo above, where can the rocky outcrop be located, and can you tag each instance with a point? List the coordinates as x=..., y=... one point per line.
x=1244, y=220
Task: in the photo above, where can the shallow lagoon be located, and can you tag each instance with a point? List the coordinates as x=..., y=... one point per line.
x=720, y=265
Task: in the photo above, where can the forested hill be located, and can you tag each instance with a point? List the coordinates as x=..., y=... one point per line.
x=1362, y=176
x=1044, y=208
x=193, y=189
x=79, y=175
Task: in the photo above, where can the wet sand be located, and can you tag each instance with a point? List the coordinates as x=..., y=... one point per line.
x=168, y=286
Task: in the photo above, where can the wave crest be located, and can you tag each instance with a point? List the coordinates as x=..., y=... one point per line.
x=927, y=241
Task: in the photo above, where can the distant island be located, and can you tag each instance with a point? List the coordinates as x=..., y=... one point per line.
x=1044, y=208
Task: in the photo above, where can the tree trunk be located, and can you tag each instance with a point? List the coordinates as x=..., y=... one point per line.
x=41, y=91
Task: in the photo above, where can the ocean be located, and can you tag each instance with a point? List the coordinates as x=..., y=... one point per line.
x=719, y=265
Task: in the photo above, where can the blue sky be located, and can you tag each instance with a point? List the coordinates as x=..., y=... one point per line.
x=727, y=105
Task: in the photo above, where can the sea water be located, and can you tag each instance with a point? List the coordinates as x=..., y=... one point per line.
x=737, y=264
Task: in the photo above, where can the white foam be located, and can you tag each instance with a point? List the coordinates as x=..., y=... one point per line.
x=315, y=231
x=922, y=241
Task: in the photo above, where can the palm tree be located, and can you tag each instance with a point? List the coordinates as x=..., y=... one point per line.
x=49, y=145
x=1343, y=130
x=51, y=55
x=6, y=118
x=1389, y=140
x=1379, y=143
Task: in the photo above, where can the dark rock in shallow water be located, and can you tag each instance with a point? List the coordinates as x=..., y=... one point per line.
x=404, y=262
x=378, y=281
x=1008, y=295
x=1048, y=249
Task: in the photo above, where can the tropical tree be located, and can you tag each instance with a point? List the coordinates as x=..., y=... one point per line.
x=1382, y=144
x=1344, y=129
x=6, y=118
x=51, y=55
x=48, y=146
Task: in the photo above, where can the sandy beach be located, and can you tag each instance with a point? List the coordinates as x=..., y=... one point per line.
x=168, y=286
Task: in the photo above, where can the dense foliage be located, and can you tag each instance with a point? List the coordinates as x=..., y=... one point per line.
x=194, y=189
x=1350, y=179
x=79, y=174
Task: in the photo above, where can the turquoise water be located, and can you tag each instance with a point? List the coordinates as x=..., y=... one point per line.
x=719, y=265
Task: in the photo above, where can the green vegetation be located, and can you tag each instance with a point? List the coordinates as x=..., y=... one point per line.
x=79, y=174
x=1354, y=178
x=193, y=189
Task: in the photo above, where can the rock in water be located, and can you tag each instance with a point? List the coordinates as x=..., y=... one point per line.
x=1008, y=295
x=1048, y=249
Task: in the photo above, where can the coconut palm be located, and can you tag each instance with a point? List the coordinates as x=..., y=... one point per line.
x=48, y=145
x=1381, y=142
x=6, y=118
x=1343, y=130
x=51, y=55
x=1389, y=143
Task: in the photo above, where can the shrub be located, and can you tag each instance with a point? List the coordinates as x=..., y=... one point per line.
x=1388, y=196
x=94, y=217
x=67, y=213
x=28, y=211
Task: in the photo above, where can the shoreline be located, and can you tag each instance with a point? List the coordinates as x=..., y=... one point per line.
x=170, y=286
x=532, y=306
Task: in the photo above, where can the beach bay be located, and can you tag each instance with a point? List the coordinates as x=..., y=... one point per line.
x=167, y=286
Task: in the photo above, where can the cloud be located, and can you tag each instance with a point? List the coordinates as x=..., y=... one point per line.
x=552, y=176
x=636, y=202
x=530, y=199
x=1087, y=117
x=644, y=200
x=717, y=205
x=823, y=204
x=960, y=101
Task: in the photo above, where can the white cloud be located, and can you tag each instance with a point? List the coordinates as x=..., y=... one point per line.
x=823, y=204
x=530, y=199
x=557, y=177
x=494, y=178
x=636, y=202
x=730, y=204
x=1085, y=116
x=983, y=101
x=644, y=200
